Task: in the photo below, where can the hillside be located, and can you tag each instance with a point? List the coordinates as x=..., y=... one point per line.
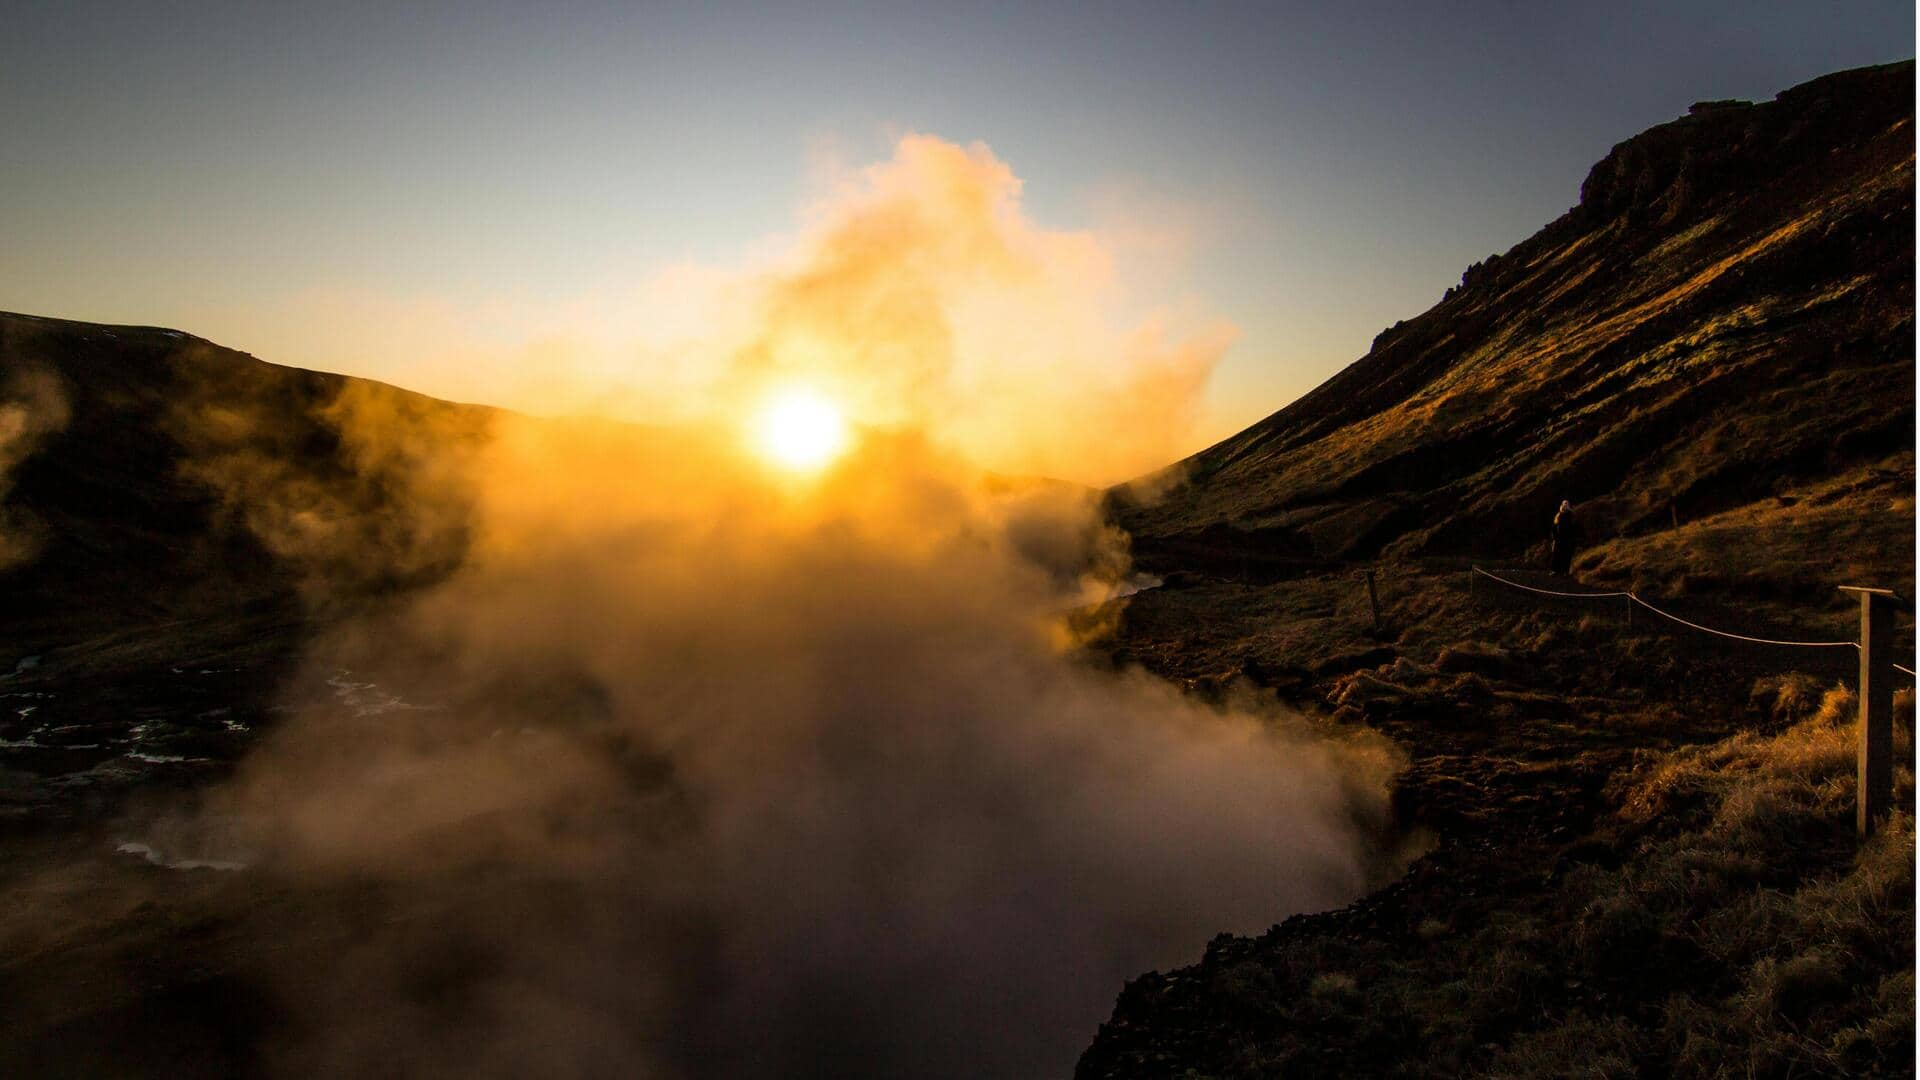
x=1643, y=856
x=1727, y=313
x=149, y=617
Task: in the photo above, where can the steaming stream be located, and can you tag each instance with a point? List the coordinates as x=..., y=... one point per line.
x=742, y=768
x=826, y=789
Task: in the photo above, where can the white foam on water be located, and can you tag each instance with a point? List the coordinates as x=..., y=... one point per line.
x=367, y=699
x=159, y=759
x=157, y=858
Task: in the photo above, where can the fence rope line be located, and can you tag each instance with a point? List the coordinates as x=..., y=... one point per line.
x=1897, y=667
x=1549, y=592
x=1743, y=637
x=1669, y=615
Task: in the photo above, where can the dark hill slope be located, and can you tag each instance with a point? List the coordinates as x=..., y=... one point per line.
x=1727, y=312
x=142, y=461
x=156, y=580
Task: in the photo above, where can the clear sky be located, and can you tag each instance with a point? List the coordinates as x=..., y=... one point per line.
x=1328, y=168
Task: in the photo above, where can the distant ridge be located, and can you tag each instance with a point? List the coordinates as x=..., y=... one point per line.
x=125, y=526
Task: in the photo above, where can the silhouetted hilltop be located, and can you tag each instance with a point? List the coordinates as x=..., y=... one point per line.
x=144, y=477
x=1728, y=310
x=126, y=490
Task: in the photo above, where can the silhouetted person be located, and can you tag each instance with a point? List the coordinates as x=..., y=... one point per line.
x=1566, y=538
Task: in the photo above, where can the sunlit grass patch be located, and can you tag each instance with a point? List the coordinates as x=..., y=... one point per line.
x=1723, y=921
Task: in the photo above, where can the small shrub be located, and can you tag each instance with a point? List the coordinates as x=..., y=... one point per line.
x=1791, y=697
x=1334, y=985
x=1614, y=935
x=1794, y=987
x=1598, y=1047
x=1837, y=707
x=1883, y=1043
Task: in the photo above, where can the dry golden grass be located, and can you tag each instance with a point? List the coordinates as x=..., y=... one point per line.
x=1724, y=921
x=1764, y=884
x=1785, y=552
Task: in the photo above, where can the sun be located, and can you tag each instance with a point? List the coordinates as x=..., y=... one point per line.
x=801, y=429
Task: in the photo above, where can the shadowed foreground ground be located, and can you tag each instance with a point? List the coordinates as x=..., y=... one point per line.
x=1645, y=859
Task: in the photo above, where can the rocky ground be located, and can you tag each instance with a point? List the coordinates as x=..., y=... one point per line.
x=1571, y=917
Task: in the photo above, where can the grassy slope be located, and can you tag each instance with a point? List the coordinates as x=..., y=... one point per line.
x=1643, y=861
x=1580, y=778
x=1728, y=310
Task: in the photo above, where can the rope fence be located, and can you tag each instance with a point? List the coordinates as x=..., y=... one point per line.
x=1744, y=637
x=1875, y=692
x=1635, y=598
x=1550, y=592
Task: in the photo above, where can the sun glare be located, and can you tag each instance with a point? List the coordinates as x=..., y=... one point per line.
x=800, y=429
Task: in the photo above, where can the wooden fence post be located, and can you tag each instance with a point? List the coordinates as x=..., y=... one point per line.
x=1876, y=706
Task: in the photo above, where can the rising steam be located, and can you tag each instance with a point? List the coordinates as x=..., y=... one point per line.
x=32, y=407
x=924, y=297
x=917, y=292
x=693, y=767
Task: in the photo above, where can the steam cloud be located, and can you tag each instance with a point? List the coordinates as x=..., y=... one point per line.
x=925, y=297
x=917, y=291
x=32, y=406
x=693, y=768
